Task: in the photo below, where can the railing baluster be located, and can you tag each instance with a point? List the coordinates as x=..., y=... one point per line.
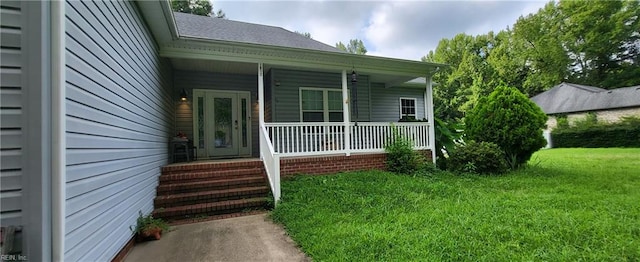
x=293, y=139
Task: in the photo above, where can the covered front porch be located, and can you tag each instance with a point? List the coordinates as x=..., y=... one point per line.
x=273, y=102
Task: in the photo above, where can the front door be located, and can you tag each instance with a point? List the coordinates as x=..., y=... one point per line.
x=222, y=123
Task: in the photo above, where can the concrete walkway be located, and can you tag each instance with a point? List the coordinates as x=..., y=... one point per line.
x=248, y=238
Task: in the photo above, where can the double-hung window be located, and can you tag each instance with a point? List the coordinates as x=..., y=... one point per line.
x=320, y=105
x=407, y=107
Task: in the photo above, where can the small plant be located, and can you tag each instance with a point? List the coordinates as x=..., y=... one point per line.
x=148, y=227
x=478, y=158
x=401, y=158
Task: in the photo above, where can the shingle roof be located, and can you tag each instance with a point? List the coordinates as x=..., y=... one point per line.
x=234, y=31
x=567, y=98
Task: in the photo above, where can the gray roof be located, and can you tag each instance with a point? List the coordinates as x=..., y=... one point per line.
x=227, y=30
x=568, y=98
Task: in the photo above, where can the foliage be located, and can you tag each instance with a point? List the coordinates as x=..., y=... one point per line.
x=587, y=133
x=575, y=200
x=196, y=7
x=590, y=120
x=447, y=137
x=401, y=158
x=562, y=121
x=411, y=119
x=511, y=121
x=583, y=42
x=355, y=46
x=147, y=222
x=477, y=158
x=305, y=34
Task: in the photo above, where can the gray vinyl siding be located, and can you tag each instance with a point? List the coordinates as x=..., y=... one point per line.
x=286, y=99
x=119, y=121
x=268, y=98
x=387, y=102
x=190, y=80
x=11, y=114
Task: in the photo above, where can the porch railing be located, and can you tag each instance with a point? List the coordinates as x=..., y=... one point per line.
x=303, y=139
x=271, y=162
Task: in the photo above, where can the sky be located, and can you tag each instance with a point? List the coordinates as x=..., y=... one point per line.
x=399, y=29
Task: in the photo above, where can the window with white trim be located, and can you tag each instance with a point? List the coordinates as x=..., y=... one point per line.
x=320, y=105
x=407, y=107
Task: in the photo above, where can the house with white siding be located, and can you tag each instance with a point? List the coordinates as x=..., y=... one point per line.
x=94, y=93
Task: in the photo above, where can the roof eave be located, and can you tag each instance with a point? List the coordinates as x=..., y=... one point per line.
x=200, y=48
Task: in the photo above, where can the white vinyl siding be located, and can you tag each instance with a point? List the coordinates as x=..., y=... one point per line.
x=119, y=121
x=385, y=102
x=285, y=92
x=11, y=114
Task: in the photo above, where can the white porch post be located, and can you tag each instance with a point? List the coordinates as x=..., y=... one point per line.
x=260, y=94
x=58, y=155
x=345, y=113
x=428, y=110
x=260, y=101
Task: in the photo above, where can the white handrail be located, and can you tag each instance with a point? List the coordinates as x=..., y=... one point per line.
x=320, y=138
x=271, y=162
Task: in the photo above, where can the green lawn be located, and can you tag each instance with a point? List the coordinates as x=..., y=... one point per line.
x=568, y=205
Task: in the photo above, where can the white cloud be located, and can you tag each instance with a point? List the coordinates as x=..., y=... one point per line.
x=400, y=29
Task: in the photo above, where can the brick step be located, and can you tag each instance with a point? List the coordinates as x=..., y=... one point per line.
x=205, y=166
x=166, y=201
x=208, y=175
x=218, y=184
x=209, y=209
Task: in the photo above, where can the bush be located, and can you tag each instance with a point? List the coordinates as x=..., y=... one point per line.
x=510, y=120
x=623, y=134
x=401, y=158
x=479, y=158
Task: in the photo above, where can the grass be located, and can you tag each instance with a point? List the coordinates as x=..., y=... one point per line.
x=568, y=205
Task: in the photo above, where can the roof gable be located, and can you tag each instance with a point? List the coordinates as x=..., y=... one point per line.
x=233, y=31
x=567, y=98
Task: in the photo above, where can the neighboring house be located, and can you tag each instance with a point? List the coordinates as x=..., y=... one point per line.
x=576, y=101
x=91, y=96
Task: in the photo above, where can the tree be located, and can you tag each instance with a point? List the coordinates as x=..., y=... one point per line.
x=603, y=40
x=510, y=120
x=305, y=34
x=355, y=46
x=467, y=77
x=538, y=46
x=196, y=7
x=590, y=43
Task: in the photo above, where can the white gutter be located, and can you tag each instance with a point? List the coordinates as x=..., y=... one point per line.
x=58, y=139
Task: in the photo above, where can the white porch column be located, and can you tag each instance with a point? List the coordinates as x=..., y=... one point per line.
x=261, y=103
x=428, y=110
x=59, y=129
x=345, y=114
x=260, y=95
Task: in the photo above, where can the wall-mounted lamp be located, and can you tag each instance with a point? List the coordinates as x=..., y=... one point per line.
x=183, y=95
x=354, y=77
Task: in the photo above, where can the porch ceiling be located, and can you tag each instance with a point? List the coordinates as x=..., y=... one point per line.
x=230, y=67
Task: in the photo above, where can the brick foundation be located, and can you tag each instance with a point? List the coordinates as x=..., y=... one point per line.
x=335, y=164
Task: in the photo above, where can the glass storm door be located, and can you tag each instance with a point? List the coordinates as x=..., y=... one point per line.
x=222, y=123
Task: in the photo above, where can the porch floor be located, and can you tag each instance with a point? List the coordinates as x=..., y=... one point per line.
x=208, y=161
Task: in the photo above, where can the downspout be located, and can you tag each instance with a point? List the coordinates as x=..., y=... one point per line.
x=58, y=139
